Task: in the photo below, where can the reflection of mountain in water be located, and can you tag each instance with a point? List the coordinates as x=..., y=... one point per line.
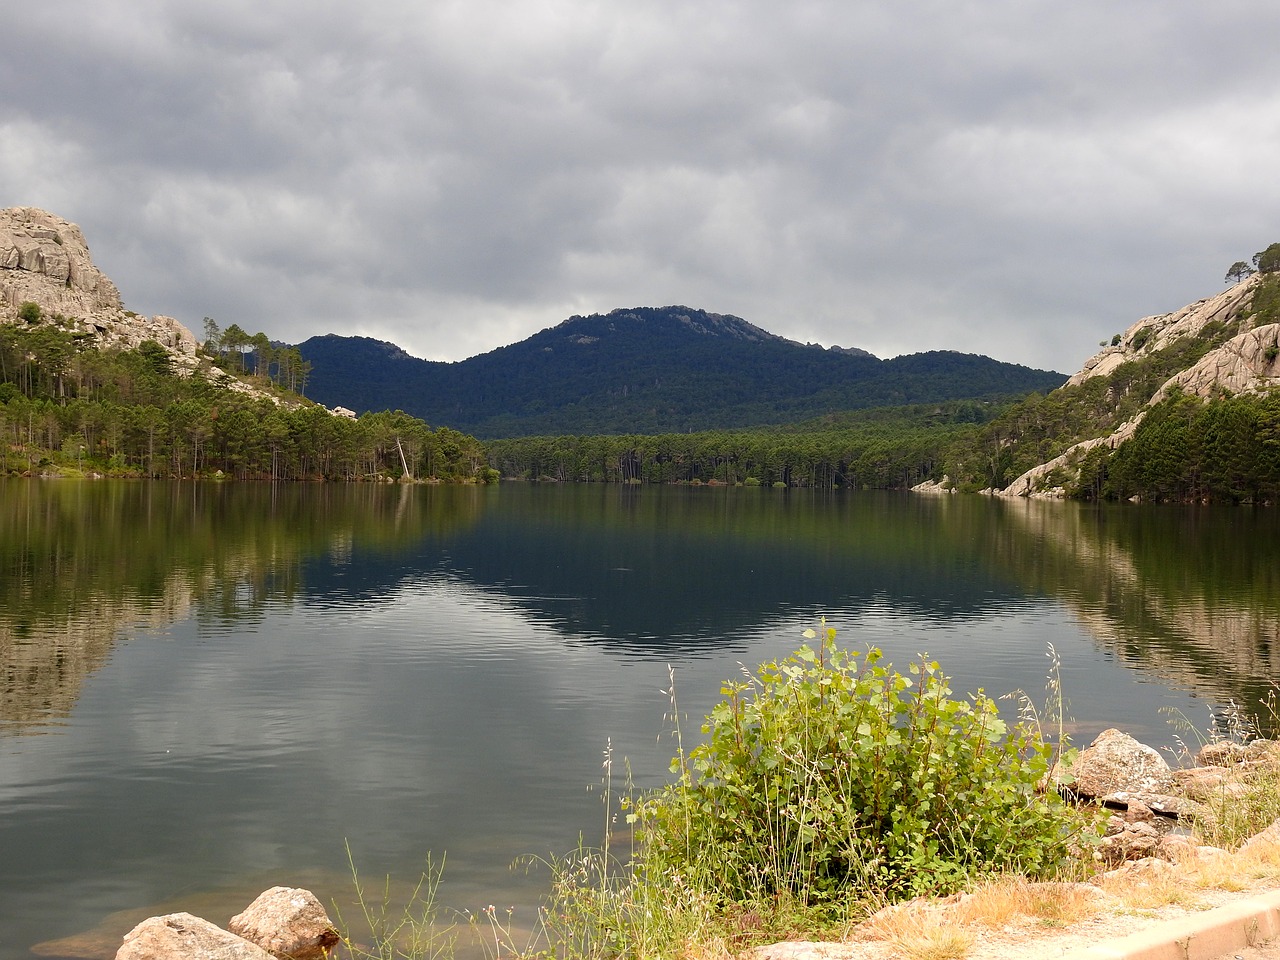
x=1190, y=595
x=656, y=570
x=81, y=563
x=43, y=664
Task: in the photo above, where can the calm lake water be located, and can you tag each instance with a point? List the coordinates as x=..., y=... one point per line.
x=207, y=690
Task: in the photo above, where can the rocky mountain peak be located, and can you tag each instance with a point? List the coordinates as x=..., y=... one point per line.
x=45, y=260
x=1157, y=332
x=1244, y=358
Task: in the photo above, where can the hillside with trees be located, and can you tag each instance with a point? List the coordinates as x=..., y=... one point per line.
x=891, y=448
x=70, y=407
x=648, y=371
x=88, y=387
x=1183, y=407
x=1179, y=407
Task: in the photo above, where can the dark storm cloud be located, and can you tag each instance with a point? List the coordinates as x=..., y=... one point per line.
x=1018, y=179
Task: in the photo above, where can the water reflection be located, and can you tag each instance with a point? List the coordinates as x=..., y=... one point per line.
x=1190, y=595
x=236, y=678
x=85, y=564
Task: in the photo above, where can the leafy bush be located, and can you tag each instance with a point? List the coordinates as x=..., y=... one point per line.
x=827, y=777
x=29, y=312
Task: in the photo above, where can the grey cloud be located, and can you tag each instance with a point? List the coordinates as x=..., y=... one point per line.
x=1018, y=179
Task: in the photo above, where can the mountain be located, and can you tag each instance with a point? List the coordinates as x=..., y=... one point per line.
x=646, y=370
x=48, y=277
x=1222, y=348
x=44, y=260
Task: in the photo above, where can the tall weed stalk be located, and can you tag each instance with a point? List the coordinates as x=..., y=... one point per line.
x=410, y=930
x=1247, y=800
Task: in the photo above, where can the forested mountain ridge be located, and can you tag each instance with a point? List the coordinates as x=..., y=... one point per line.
x=1182, y=405
x=49, y=286
x=90, y=388
x=648, y=370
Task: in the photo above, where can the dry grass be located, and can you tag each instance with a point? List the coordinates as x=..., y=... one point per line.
x=937, y=943
x=957, y=926
x=993, y=905
x=1236, y=871
x=1149, y=886
x=921, y=929
x=998, y=903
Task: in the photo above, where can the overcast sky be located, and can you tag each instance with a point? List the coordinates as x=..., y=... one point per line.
x=1011, y=177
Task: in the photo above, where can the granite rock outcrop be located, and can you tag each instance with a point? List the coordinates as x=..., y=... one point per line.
x=1247, y=362
x=181, y=936
x=45, y=260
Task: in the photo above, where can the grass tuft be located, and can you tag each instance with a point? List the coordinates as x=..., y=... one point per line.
x=387, y=932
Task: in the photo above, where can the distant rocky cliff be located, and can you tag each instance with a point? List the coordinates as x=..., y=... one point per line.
x=1244, y=360
x=44, y=260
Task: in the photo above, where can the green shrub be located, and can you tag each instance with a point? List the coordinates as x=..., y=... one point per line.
x=29, y=311
x=827, y=777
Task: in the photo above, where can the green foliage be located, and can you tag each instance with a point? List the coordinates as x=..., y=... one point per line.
x=1268, y=260
x=154, y=356
x=137, y=417
x=1264, y=308
x=30, y=312
x=827, y=777
x=880, y=449
x=1224, y=450
x=1238, y=271
x=650, y=370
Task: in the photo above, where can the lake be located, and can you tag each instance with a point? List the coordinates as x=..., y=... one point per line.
x=210, y=689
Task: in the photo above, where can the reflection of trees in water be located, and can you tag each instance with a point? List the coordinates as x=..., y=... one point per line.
x=678, y=571
x=83, y=562
x=42, y=664
x=1187, y=594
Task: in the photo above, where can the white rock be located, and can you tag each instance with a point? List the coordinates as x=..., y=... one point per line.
x=180, y=936
x=1116, y=762
x=287, y=921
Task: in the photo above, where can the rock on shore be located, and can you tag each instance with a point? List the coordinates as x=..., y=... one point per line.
x=287, y=923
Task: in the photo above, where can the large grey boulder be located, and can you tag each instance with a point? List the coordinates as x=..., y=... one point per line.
x=180, y=936
x=1115, y=762
x=289, y=922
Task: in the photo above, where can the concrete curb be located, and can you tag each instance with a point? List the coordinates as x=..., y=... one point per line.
x=1200, y=937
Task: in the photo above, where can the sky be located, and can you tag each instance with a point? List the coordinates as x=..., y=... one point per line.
x=1015, y=178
